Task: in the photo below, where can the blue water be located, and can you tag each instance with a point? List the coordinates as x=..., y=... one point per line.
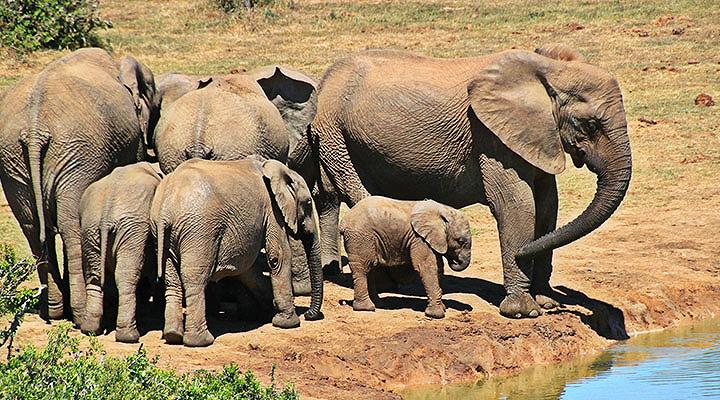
x=681, y=363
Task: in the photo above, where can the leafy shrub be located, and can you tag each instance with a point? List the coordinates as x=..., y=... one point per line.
x=62, y=371
x=14, y=301
x=29, y=25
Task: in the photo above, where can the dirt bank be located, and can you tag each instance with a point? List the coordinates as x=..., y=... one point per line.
x=642, y=271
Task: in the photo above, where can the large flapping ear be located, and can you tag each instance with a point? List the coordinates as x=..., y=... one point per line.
x=283, y=189
x=428, y=221
x=512, y=98
x=293, y=93
x=560, y=52
x=139, y=80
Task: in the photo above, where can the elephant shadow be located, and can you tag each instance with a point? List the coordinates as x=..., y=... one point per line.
x=605, y=319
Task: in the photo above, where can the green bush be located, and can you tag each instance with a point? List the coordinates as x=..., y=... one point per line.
x=62, y=371
x=14, y=301
x=29, y=25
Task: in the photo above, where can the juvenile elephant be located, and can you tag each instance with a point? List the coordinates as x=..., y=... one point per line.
x=60, y=131
x=383, y=232
x=115, y=226
x=212, y=218
x=490, y=130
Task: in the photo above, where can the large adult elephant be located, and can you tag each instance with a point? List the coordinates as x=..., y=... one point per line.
x=228, y=117
x=490, y=130
x=60, y=131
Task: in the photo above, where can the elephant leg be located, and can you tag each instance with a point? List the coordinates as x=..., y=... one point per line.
x=300, y=269
x=195, y=271
x=511, y=201
x=328, y=208
x=173, y=329
x=127, y=275
x=69, y=226
x=425, y=261
x=546, y=208
x=279, y=256
x=19, y=198
x=360, y=270
x=94, y=274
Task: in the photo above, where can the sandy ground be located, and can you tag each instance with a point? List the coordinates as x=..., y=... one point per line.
x=641, y=271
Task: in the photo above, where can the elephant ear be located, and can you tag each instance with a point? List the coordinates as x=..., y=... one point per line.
x=139, y=80
x=429, y=222
x=293, y=93
x=560, y=52
x=283, y=188
x=512, y=98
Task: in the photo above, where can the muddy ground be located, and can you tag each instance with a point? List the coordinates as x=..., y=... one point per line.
x=641, y=271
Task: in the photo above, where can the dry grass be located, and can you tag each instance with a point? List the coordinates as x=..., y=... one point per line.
x=676, y=160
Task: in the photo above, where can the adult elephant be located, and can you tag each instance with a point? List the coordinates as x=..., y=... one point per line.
x=490, y=130
x=266, y=112
x=60, y=131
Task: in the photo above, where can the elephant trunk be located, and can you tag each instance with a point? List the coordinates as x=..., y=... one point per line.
x=614, y=170
x=311, y=243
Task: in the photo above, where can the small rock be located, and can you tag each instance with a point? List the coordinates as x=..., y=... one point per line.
x=692, y=62
x=647, y=121
x=238, y=70
x=574, y=26
x=678, y=31
x=704, y=100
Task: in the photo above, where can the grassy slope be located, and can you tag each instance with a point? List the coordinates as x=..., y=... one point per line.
x=632, y=39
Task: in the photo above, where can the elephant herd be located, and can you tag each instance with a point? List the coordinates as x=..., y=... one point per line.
x=184, y=180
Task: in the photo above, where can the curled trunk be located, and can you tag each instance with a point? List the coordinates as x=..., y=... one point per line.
x=613, y=180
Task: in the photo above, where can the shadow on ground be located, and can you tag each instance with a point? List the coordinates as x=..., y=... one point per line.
x=605, y=319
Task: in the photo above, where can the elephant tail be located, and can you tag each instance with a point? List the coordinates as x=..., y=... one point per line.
x=199, y=150
x=161, y=228
x=36, y=143
x=104, y=238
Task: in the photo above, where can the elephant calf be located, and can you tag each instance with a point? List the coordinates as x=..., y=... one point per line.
x=380, y=231
x=115, y=230
x=212, y=218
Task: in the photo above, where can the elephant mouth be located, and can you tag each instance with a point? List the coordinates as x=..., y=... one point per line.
x=457, y=264
x=578, y=158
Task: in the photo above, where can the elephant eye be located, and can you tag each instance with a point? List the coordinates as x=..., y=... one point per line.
x=591, y=127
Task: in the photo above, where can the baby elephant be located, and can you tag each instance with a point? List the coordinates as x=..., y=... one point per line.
x=115, y=228
x=384, y=232
x=212, y=218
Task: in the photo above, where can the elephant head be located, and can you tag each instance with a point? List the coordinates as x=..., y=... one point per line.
x=445, y=230
x=292, y=197
x=540, y=105
x=139, y=80
x=171, y=86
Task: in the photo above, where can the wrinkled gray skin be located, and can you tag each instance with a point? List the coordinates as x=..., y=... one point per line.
x=212, y=218
x=492, y=130
x=383, y=232
x=60, y=131
x=266, y=112
x=115, y=226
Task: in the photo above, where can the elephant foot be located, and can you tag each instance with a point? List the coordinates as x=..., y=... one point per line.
x=436, y=311
x=301, y=288
x=173, y=336
x=55, y=312
x=286, y=322
x=127, y=335
x=199, y=339
x=363, y=305
x=519, y=305
x=310, y=315
x=332, y=269
x=91, y=327
x=546, y=302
